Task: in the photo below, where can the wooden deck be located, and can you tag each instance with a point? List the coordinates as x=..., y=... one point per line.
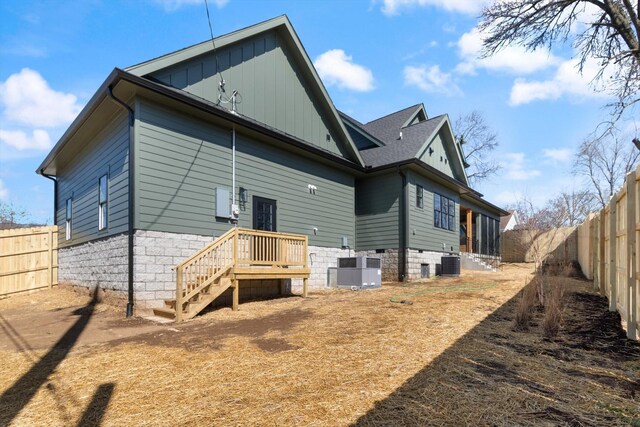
x=239, y=254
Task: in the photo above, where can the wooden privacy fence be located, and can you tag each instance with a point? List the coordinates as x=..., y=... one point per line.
x=608, y=247
x=28, y=259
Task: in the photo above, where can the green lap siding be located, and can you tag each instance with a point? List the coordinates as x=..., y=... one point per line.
x=182, y=160
x=378, y=212
x=106, y=153
x=422, y=232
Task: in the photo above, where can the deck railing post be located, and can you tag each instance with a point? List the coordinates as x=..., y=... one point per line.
x=179, y=294
x=306, y=265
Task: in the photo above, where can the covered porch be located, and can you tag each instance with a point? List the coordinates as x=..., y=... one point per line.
x=479, y=233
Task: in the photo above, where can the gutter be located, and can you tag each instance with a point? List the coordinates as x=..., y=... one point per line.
x=131, y=196
x=55, y=195
x=402, y=251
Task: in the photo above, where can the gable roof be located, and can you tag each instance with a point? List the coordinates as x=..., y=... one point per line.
x=406, y=134
x=396, y=150
x=387, y=128
x=281, y=24
x=505, y=219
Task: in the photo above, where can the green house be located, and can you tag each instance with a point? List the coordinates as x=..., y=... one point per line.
x=171, y=153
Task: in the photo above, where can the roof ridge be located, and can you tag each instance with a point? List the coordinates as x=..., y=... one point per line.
x=425, y=121
x=391, y=114
x=215, y=39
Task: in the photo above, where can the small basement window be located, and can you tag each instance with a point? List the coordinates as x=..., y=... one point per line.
x=68, y=215
x=419, y=196
x=103, y=196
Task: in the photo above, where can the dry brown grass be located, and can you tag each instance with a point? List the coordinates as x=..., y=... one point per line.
x=336, y=358
x=524, y=309
x=554, y=308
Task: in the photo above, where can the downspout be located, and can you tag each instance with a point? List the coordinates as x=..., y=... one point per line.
x=55, y=195
x=402, y=255
x=131, y=198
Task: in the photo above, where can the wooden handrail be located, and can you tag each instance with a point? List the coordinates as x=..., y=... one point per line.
x=205, y=249
x=238, y=246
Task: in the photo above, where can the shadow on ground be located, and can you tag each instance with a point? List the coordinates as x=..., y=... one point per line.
x=209, y=336
x=589, y=375
x=18, y=396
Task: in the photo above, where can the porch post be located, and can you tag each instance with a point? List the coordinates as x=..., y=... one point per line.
x=469, y=232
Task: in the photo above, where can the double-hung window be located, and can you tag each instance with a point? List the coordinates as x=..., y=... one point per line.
x=419, y=196
x=444, y=212
x=68, y=215
x=103, y=197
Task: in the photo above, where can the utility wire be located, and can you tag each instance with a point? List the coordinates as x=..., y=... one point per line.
x=213, y=43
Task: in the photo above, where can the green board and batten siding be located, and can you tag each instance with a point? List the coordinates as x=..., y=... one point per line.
x=439, y=158
x=273, y=89
x=106, y=153
x=422, y=232
x=378, y=212
x=182, y=160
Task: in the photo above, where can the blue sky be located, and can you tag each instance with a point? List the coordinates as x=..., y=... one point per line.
x=375, y=57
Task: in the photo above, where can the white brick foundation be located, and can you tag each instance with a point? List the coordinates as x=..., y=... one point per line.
x=417, y=258
x=155, y=254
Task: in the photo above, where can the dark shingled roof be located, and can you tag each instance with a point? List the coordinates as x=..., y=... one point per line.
x=396, y=149
x=387, y=128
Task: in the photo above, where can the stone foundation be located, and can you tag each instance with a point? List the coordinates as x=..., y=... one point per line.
x=103, y=263
x=389, y=260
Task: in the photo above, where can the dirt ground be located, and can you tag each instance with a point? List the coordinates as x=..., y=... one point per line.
x=440, y=352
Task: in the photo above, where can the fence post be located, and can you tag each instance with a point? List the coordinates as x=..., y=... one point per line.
x=50, y=258
x=594, y=237
x=631, y=255
x=601, y=252
x=613, y=271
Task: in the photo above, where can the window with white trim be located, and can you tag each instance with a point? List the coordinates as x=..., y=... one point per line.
x=419, y=196
x=68, y=219
x=103, y=198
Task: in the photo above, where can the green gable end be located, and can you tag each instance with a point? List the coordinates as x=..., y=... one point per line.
x=273, y=76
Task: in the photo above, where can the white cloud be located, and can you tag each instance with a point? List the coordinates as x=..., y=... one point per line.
x=468, y=7
x=431, y=79
x=27, y=99
x=516, y=169
x=173, y=5
x=4, y=192
x=558, y=154
x=38, y=140
x=335, y=67
x=512, y=59
x=505, y=198
x=567, y=81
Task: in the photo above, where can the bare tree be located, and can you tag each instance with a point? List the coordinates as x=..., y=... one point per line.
x=477, y=140
x=605, y=30
x=11, y=215
x=572, y=208
x=605, y=161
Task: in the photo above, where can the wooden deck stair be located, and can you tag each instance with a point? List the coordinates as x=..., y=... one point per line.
x=239, y=254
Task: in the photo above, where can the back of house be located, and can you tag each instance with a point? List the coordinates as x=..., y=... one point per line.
x=172, y=153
